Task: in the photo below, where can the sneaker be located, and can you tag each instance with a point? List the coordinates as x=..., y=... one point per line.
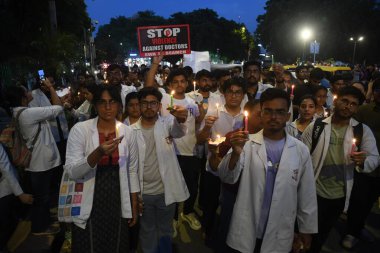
x=49, y=231
x=175, y=226
x=192, y=220
x=349, y=241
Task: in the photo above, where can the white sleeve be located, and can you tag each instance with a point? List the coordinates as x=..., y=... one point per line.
x=76, y=159
x=8, y=172
x=133, y=161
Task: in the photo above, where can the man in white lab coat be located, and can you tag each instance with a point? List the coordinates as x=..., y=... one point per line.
x=161, y=180
x=276, y=184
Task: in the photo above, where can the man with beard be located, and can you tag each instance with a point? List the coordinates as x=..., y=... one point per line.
x=252, y=74
x=203, y=80
x=333, y=165
x=115, y=78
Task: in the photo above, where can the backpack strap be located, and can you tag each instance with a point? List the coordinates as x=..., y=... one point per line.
x=318, y=127
x=17, y=126
x=358, y=135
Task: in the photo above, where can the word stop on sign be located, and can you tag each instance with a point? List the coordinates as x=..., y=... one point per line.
x=159, y=33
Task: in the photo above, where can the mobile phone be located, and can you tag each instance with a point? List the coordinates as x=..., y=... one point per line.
x=119, y=138
x=41, y=74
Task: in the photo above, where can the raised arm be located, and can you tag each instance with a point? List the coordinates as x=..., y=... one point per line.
x=149, y=80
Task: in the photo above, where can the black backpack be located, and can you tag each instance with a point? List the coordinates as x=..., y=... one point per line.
x=319, y=125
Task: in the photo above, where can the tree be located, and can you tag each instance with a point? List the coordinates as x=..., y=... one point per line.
x=113, y=40
x=333, y=23
x=208, y=32
x=27, y=42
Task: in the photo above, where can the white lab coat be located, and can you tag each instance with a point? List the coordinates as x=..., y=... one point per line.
x=83, y=140
x=175, y=188
x=8, y=180
x=368, y=145
x=294, y=196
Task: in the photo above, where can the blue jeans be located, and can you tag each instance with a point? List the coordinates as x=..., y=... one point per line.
x=40, y=183
x=156, y=225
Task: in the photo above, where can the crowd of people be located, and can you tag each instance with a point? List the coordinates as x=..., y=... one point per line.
x=147, y=149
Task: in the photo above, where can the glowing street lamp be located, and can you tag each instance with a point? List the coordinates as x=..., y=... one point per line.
x=305, y=35
x=355, y=40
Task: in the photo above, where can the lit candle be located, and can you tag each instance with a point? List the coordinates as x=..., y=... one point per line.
x=245, y=120
x=171, y=98
x=326, y=114
x=217, y=138
x=194, y=85
x=118, y=124
x=78, y=93
x=292, y=92
x=334, y=97
x=217, y=109
x=353, y=148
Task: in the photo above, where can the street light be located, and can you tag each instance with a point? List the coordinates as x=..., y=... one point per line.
x=361, y=38
x=305, y=35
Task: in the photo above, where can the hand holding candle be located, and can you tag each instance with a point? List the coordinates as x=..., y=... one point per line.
x=353, y=147
x=217, y=141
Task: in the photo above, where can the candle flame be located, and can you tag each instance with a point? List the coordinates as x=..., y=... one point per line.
x=172, y=93
x=217, y=136
x=245, y=113
x=335, y=97
x=118, y=124
x=353, y=141
x=217, y=105
x=293, y=86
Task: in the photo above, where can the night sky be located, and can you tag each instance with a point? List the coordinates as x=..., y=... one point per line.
x=248, y=10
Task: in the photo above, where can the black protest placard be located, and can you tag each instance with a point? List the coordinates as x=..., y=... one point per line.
x=166, y=40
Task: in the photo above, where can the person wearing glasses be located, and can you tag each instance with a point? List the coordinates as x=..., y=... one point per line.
x=228, y=118
x=276, y=184
x=102, y=158
x=335, y=157
x=161, y=180
x=364, y=184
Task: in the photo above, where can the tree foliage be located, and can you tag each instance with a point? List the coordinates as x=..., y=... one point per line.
x=27, y=42
x=208, y=32
x=333, y=22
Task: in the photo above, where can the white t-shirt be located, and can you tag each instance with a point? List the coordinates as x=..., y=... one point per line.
x=184, y=146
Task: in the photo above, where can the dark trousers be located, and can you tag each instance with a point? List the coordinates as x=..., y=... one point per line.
x=40, y=183
x=209, y=191
x=8, y=219
x=328, y=213
x=364, y=193
x=190, y=170
x=228, y=199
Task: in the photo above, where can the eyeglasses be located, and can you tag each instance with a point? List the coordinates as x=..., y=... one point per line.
x=232, y=93
x=346, y=102
x=150, y=104
x=277, y=113
x=106, y=103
